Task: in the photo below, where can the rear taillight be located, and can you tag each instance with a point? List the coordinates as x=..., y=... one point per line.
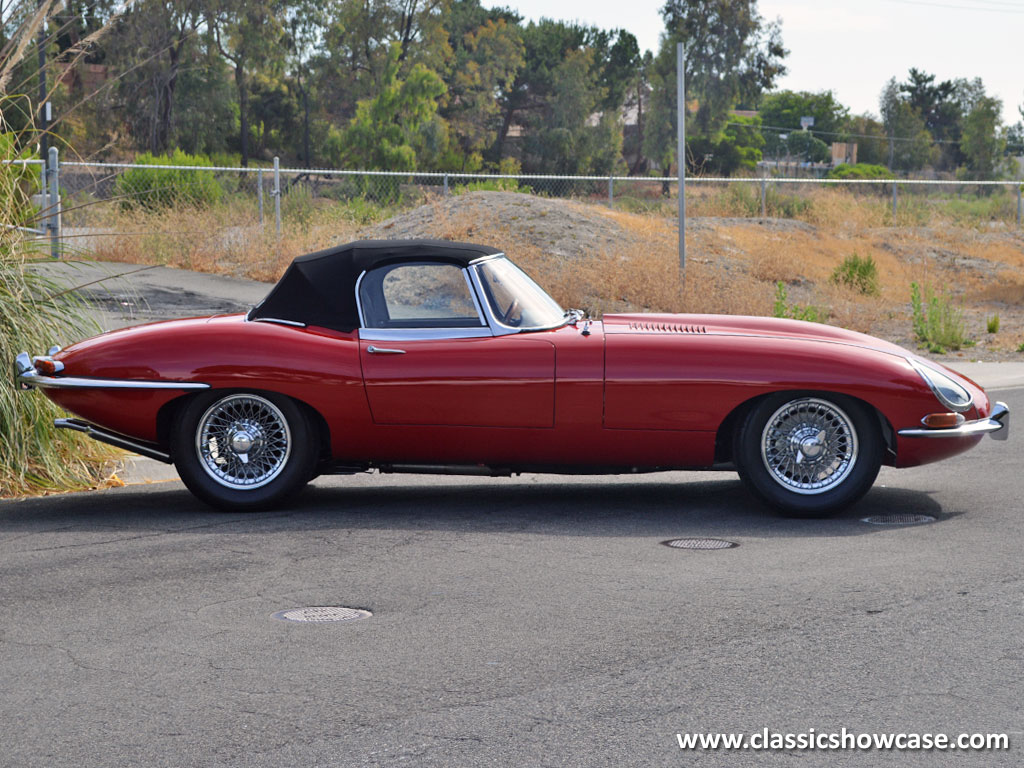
x=47, y=366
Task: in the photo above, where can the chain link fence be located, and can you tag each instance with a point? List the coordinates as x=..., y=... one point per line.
x=128, y=211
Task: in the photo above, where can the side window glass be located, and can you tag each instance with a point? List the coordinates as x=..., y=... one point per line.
x=418, y=295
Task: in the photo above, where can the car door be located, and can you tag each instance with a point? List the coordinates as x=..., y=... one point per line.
x=429, y=358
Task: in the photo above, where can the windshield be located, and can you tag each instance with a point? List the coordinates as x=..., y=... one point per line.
x=515, y=299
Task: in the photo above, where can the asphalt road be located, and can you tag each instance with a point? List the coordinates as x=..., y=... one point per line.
x=516, y=622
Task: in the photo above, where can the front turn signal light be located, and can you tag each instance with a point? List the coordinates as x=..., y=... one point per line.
x=943, y=420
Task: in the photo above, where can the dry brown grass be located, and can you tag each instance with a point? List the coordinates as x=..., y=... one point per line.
x=227, y=240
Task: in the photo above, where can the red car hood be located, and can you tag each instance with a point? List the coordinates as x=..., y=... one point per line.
x=737, y=325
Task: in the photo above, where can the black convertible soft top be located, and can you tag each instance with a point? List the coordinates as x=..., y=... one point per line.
x=320, y=288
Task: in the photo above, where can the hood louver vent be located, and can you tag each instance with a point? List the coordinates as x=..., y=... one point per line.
x=667, y=328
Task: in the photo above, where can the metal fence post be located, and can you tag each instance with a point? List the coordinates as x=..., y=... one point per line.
x=894, y=202
x=277, y=194
x=764, y=198
x=1018, y=206
x=611, y=191
x=446, y=185
x=53, y=168
x=259, y=193
x=681, y=154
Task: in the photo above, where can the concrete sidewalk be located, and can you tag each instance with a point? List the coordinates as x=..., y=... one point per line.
x=130, y=294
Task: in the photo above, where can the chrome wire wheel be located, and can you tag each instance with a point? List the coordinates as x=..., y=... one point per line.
x=809, y=446
x=243, y=442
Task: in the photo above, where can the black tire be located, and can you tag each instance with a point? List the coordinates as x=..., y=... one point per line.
x=280, y=457
x=807, y=454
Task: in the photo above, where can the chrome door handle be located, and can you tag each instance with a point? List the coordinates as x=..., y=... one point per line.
x=383, y=351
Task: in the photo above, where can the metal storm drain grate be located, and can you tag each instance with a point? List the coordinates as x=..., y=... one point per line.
x=322, y=614
x=700, y=544
x=898, y=519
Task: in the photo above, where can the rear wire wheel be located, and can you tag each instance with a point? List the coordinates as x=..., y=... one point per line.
x=809, y=455
x=243, y=451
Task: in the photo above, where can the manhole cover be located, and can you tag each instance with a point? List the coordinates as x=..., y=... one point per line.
x=322, y=614
x=700, y=544
x=898, y=519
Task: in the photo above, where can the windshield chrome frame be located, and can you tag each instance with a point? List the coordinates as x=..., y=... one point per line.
x=497, y=327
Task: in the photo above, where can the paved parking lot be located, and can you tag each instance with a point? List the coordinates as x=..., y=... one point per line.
x=533, y=621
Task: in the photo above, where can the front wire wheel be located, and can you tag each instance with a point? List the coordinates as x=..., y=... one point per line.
x=243, y=451
x=809, y=446
x=810, y=455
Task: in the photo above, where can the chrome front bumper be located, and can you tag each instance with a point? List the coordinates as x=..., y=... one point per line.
x=27, y=377
x=997, y=425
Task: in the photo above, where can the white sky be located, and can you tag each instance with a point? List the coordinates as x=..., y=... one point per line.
x=853, y=47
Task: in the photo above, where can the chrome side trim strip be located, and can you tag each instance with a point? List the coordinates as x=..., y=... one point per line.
x=997, y=424
x=112, y=438
x=29, y=380
x=418, y=334
x=34, y=380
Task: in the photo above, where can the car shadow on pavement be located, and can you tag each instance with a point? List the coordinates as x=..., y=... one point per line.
x=624, y=507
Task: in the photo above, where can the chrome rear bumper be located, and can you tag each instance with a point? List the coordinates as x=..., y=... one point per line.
x=997, y=425
x=27, y=377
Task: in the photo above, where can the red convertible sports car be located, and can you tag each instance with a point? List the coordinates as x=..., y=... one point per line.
x=426, y=356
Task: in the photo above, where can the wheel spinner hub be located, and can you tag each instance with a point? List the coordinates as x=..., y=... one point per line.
x=245, y=437
x=808, y=443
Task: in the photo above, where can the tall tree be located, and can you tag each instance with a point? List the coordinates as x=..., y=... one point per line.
x=487, y=62
x=307, y=21
x=910, y=144
x=546, y=44
x=984, y=141
x=732, y=55
x=151, y=46
x=247, y=33
x=568, y=136
x=869, y=134
x=938, y=106
x=784, y=109
x=380, y=136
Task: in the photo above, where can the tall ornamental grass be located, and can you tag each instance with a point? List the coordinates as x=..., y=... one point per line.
x=35, y=311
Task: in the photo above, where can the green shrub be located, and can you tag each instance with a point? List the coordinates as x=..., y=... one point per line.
x=937, y=324
x=992, y=324
x=490, y=185
x=156, y=188
x=860, y=274
x=859, y=171
x=809, y=313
